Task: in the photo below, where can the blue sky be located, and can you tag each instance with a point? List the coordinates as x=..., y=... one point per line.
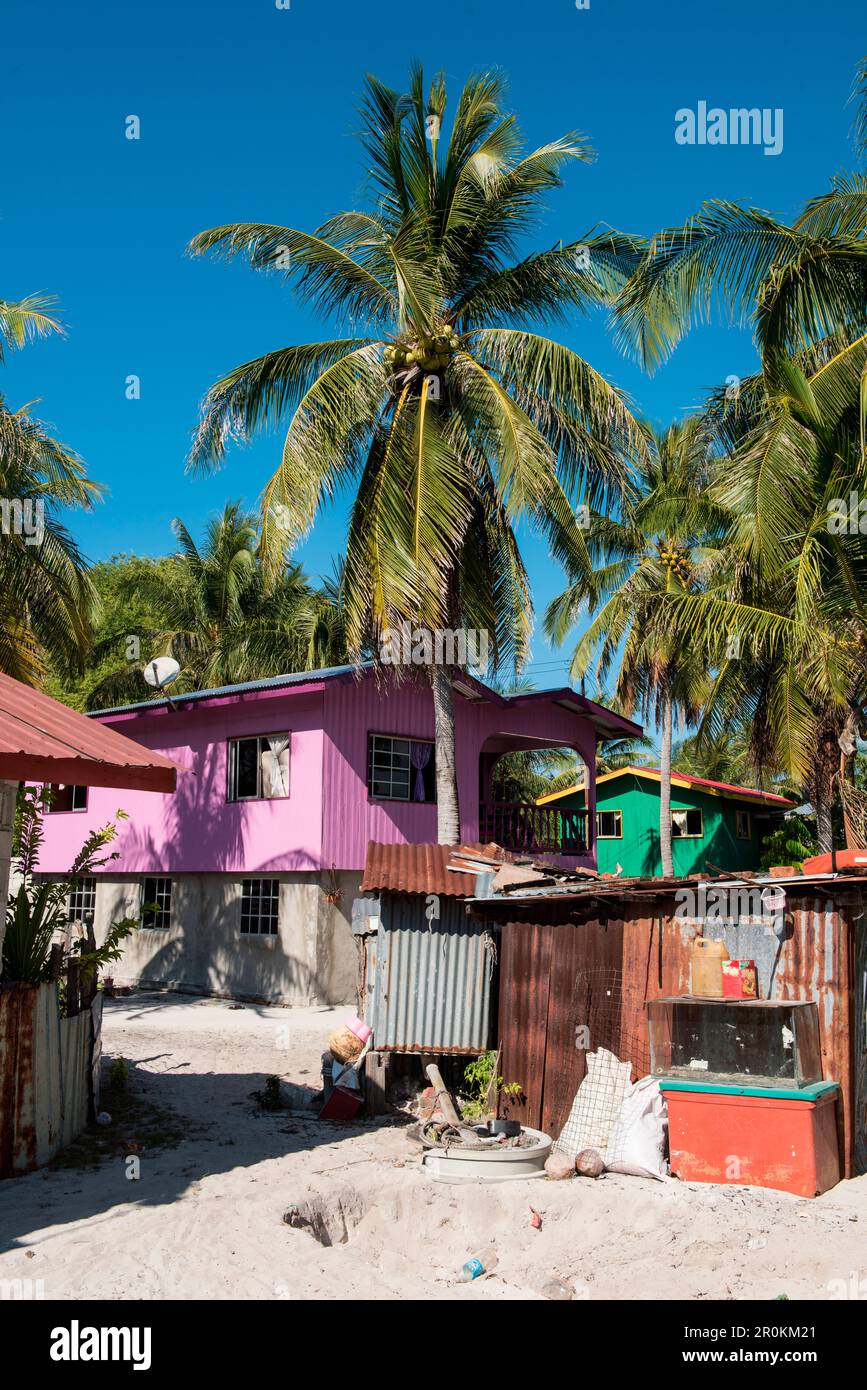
x=247, y=113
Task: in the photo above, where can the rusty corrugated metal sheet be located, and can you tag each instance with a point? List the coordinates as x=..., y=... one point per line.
x=557, y=980
x=43, y=740
x=429, y=983
x=823, y=959
x=415, y=869
x=44, y=1076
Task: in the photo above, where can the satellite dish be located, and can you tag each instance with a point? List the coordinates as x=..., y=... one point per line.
x=162, y=671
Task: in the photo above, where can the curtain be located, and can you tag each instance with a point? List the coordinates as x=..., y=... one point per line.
x=420, y=756
x=678, y=822
x=275, y=766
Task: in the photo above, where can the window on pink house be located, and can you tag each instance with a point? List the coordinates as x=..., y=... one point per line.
x=400, y=769
x=65, y=797
x=259, y=767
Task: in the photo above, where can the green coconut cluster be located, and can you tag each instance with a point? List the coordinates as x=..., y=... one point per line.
x=675, y=558
x=430, y=353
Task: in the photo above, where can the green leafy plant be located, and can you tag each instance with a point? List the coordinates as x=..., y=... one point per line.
x=790, y=842
x=118, y=1074
x=38, y=914
x=482, y=1086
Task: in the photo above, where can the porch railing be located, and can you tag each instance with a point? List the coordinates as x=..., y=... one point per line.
x=518, y=825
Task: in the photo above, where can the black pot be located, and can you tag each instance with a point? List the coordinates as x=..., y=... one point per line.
x=511, y=1128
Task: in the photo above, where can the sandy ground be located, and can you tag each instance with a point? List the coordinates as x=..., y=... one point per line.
x=204, y=1218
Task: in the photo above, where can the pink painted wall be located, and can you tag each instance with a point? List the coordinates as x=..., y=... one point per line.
x=328, y=818
x=353, y=711
x=195, y=829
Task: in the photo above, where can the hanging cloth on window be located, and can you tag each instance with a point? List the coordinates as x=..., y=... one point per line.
x=420, y=754
x=276, y=766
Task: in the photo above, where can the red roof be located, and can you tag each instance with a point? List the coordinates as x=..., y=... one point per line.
x=42, y=740
x=414, y=869
x=727, y=787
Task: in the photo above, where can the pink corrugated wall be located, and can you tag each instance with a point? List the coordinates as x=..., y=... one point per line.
x=351, y=819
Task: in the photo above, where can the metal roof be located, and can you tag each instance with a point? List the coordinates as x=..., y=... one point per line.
x=679, y=779
x=42, y=740
x=606, y=723
x=415, y=869
x=220, y=691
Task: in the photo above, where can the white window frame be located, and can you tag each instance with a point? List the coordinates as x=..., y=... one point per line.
x=257, y=917
x=73, y=810
x=262, y=747
x=84, y=887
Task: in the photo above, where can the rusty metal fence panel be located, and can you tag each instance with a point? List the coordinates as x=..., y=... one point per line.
x=44, y=1076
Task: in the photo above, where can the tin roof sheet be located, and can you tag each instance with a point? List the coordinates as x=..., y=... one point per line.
x=415, y=869
x=44, y=740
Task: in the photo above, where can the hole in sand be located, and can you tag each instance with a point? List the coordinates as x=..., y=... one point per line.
x=330, y=1220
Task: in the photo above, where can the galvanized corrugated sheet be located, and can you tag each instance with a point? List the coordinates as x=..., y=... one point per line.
x=415, y=869
x=429, y=983
x=75, y=1035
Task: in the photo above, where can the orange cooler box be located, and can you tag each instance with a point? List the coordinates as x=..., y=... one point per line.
x=765, y=1137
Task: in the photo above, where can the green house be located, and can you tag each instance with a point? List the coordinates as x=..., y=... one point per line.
x=713, y=824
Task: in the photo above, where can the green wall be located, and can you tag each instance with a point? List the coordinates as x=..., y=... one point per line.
x=638, y=851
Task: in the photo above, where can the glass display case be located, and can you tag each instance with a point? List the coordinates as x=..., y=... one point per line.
x=762, y=1042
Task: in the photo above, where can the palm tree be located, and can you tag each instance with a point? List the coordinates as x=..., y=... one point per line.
x=799, y=286
x=793, y=438
x=660, y=545
x=47, y=597
x=447, y=414
x=217, y=615
x=793, y=582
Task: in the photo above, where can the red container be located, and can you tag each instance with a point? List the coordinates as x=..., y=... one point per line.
x=763, y=1138
x=739, y=979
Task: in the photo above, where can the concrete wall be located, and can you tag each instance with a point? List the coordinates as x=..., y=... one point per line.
x=312, y=959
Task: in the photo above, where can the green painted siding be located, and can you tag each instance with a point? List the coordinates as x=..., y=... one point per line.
x=637, y=798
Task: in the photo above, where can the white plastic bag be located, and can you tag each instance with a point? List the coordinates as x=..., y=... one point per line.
x=638, y=1139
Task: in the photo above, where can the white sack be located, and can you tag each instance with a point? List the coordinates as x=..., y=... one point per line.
x=638, y=1138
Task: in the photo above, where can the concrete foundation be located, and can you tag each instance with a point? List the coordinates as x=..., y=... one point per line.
x=312, y=959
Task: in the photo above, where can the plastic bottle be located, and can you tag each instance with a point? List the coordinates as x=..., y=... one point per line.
x=557, y=1290
x=483, y=1263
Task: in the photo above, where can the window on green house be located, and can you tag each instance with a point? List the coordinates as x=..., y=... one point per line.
x=742, y=825
x=687, y=825
x=609, y=825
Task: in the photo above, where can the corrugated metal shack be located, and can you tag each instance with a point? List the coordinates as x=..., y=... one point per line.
x=48, y=1065
x=588, y=956
x=427, y=970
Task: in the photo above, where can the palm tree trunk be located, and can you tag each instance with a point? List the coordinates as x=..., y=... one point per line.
x=665, y=789
x=825, y=766
x=448, y=810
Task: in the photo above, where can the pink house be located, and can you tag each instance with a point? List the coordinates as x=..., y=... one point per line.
x=248, y=872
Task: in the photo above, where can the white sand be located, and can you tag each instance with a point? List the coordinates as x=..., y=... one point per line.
x=205, y=1218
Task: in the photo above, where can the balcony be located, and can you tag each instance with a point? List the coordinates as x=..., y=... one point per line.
x=529, y=829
